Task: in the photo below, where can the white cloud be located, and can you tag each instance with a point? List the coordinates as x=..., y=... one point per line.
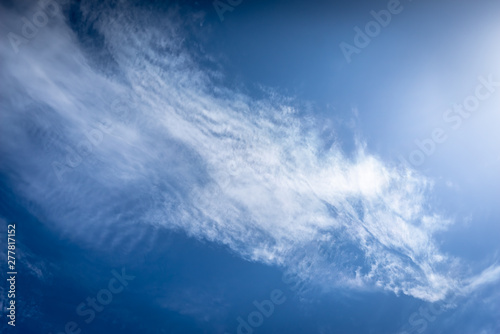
x=211, y=161
x=487, y=277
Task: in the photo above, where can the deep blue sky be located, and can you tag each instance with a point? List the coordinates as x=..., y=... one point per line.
x=224, y=162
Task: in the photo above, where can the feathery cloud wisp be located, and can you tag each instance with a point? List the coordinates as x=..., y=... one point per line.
x=160, y=143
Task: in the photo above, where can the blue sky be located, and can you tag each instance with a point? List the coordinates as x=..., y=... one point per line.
x=244, y=173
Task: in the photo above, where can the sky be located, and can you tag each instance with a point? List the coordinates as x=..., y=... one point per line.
x=238, y=166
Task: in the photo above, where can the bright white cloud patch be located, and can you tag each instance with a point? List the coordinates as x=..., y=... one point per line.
x=158, y=142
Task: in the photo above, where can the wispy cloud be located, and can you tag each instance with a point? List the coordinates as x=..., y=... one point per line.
x=184, y=153
x=487, y=277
